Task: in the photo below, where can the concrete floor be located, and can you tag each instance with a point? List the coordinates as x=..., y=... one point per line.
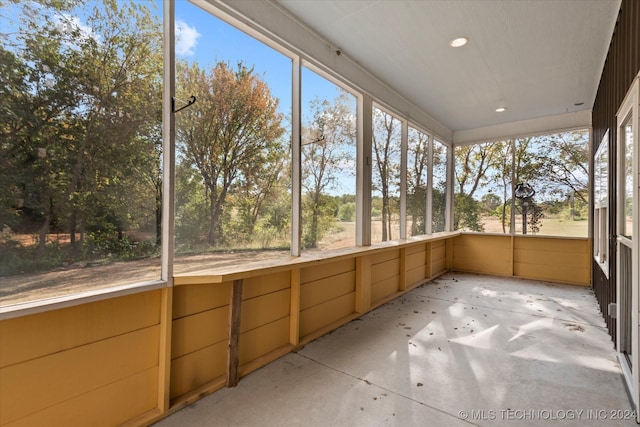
x=462, y=350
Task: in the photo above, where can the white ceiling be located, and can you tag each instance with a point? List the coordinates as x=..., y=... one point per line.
x=537, y=57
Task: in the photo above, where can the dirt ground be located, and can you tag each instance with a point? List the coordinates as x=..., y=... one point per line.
x=78, y=278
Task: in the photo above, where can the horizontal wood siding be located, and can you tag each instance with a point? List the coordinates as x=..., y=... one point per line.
x=483, y=253
x=200, y=333
x=327, y=313
x=79, y=365
x=555, y=260
x=415, y=264
x=438, y=257
x=327, y=294
x=260, y=341
x=198, y=368
x=385, y=274
x=264, y=324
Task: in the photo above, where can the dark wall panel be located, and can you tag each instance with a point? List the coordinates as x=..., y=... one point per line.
x=621, y=67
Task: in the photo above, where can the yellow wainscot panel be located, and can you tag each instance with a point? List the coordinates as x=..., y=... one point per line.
x=439, y=251
x=413, y=249
x=198, y=368
x=560, y=244
x=199, y=330
x=438, y=266
x=261, y=285
x=322, y=315
x=570, y=260
x=36, y=335
x=438, y=257
x=326, y=289
x=416, y=275
x=31, y=386
x=385, y=269
x=386, y=255
x=111, y=405
x=415, y=260
x=260, y=341
x=558, y=274
x=480, y=253
x=327, y=269
x=190, y=299
x=384, y=288
x=264, y=309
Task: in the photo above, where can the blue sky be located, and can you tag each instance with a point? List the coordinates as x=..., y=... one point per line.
x=203, y=38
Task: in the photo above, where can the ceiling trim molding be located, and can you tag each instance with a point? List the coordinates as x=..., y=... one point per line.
x=530, y=127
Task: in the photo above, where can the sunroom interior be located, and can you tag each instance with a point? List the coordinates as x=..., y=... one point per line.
x=413, y=127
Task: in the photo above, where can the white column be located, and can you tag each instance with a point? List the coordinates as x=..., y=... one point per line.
x=404, y=143
x=296, y=158
x=168, y=140
x=363, y=177
x=449, y=194
x=428, y=217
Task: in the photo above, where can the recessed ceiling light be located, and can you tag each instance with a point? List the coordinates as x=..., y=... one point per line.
x=501, y=109
x=459, y=42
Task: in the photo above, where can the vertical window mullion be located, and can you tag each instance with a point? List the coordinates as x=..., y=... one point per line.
x=403, y=179
x=168, y=141
x=363, y=178
x=296, y=157
x=428, y=220
x=449, y=191
x=512, y=215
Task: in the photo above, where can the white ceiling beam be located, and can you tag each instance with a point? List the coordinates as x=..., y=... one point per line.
x=530, y=127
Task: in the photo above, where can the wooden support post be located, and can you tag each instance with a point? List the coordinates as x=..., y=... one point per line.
x=235, y=311
x=164, y=358
x=403, y=270
x=428, y=260
x=449, y=260
x=363, y=284
x=294, y=308
x=512, y=255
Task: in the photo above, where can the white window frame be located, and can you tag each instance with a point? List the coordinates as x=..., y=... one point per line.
x=601, y=205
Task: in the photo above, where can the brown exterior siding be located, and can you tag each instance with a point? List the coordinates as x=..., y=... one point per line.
x=621, y=66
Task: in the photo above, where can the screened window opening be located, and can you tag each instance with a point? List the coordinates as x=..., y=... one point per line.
x=80, y=147
x=531, y=185
x=385, y=181
x=233, y=153
x=417, y=181
x=328, y=149
x=439, y=187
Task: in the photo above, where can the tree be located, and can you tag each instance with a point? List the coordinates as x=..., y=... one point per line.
x=230, y=135
x=386, y=151
x=326, y=146
x=261, y=183
x=418, y=160
x=80, y=136
x=555, y=165
x=568, y=169
x=473, y=164
x=501, y=173
x=439, y=190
